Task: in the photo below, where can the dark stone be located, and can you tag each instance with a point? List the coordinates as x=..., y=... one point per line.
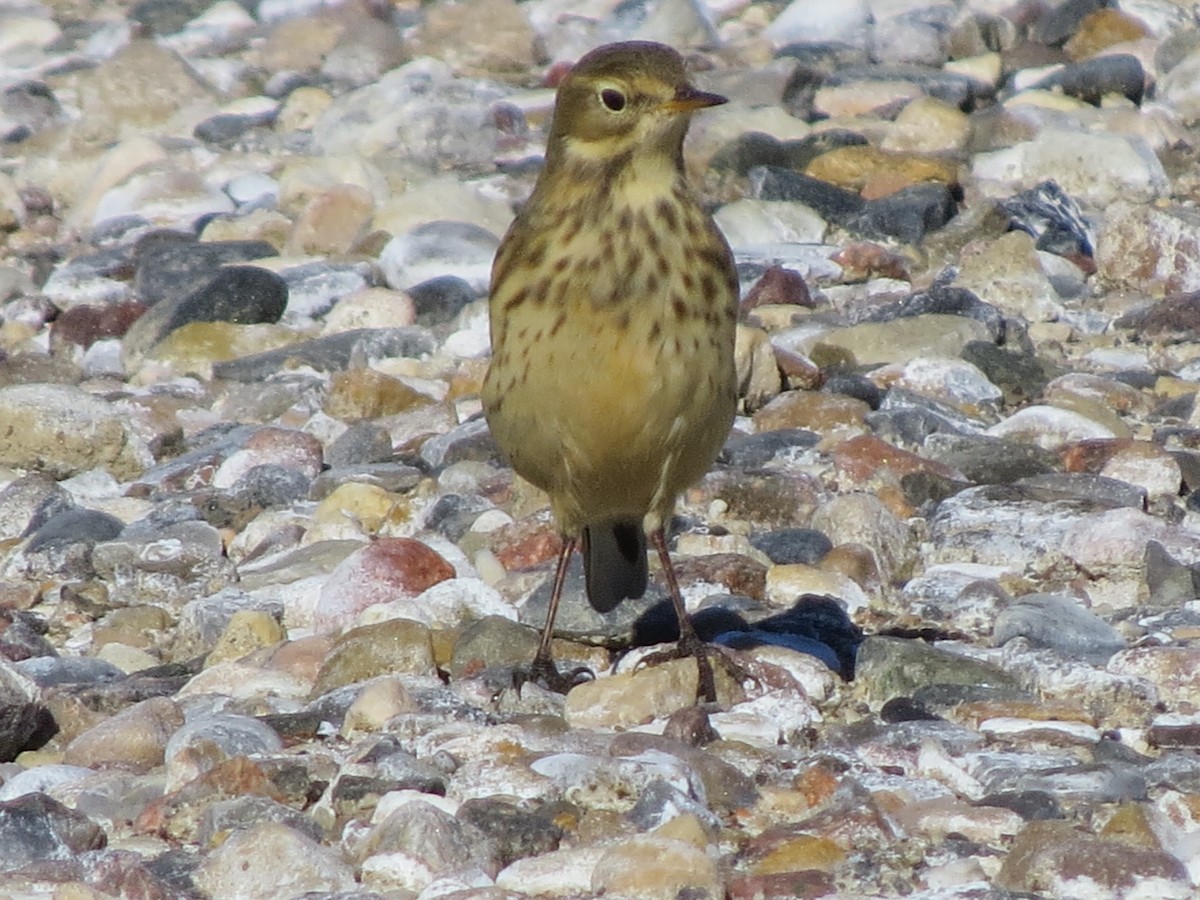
x=172, y=264
x=333, y=353
x=299, y=726
x=121, y=230
x=34, y=828
x=84, y=325
x=49, y=671
x=1170, y=582
x=922, y=489
x=272, y=486
x=391, y=476
x=1020, y=376
x=22, y=635
x=116, y=262
x=453, y=514
x=1189, y=465
x=469, y=441
x=833, y=203
x=30, y=501
x=110, y=697
x=943, y=299
x=361, y=443
x=162, y=17
x=754, y=148
x=512, y=832
x=175, y=869
x=438, y=301
x=1031, y=806
x=1095, y=491
x=957, y=90
x=943, y=698
x=905, y=709
x=850, y=384
x=1058, y=23
x=692, y=726
x=660, y=802
x=224, y=129
x=910, y=425
x=786, y=546
x=1058, y=623
x=26, y=108
x=989, y=460
x=244, y=295
x=75, y=526
x=755, y=450
x=1176, y=770
x=1052, y=217
x=909, y=214
x=354, y=789
x=220, y=509
x=1175, y=318
x=25, y=723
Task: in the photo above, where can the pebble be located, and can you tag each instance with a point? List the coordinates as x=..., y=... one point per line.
x=265, y=579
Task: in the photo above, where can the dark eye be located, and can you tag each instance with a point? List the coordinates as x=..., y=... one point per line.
x=613, y=99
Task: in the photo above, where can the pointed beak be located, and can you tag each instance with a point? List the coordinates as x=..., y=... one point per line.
x=688, y=99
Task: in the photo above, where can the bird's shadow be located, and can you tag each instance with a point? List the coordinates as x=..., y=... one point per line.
x=816, y=625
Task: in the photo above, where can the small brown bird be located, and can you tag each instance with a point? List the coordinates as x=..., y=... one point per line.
x=613, y=309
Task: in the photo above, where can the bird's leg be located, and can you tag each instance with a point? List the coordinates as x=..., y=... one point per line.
x=689, y=642
x=542, y=669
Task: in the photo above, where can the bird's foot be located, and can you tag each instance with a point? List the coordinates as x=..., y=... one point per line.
x=543, y=672
x=689, y=645
x=705, y=655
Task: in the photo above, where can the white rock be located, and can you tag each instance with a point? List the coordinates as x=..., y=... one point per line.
x=747, y=222
x=766, y=721
x=1097, y=168
x=447, y=604
x=1049, y=427
x=818, y=21
x=561, y=873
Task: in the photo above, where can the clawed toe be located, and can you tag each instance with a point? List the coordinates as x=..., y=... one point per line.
x=543, y=672
x=704, y=654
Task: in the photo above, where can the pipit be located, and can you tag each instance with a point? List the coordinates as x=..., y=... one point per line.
x=613, y=307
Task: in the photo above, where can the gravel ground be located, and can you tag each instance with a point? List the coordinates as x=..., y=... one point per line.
x=264, y=576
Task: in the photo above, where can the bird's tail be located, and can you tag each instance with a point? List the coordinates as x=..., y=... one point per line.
x=614, y=563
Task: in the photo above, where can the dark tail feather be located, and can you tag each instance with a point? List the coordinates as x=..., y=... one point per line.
x=614, y=563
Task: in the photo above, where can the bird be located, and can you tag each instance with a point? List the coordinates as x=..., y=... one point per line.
x=613, y=314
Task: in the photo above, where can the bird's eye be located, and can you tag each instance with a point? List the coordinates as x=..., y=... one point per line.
x=612, y=99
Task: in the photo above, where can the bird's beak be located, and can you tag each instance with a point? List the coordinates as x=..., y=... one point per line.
x=687, y=99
